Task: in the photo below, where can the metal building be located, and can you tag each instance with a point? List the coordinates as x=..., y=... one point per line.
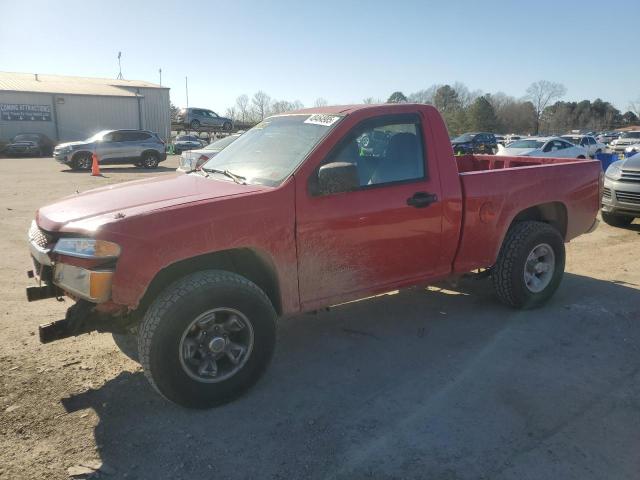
x=74, y=108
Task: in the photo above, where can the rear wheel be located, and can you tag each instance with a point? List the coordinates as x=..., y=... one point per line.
x=616, y=220
x=207, y=338
x=530, y=265
x=195, y=124
x=149, y=160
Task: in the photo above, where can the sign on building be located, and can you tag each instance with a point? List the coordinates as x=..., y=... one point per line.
x=22, y=112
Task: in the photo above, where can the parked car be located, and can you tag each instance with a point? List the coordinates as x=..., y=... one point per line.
x=632, y=150
x=29, y=145
x=474, y=142
x=138, y=147
x=511, y=138
x=187, y=142
x=194, y=270
x=193, y=159
x=625, y=140
x=195, y=118
x=590, y=144
x=621, y=197
x=607, y=137
x=543, y=147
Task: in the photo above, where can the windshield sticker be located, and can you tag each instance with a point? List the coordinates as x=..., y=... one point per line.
x=322, y=119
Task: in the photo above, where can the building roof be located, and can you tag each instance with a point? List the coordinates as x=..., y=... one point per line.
x=43, y=83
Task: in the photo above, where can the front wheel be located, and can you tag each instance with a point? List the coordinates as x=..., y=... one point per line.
x=530, y=265
x=128, y=344
x=207, y=338
x=81, y=161
x=227, y=126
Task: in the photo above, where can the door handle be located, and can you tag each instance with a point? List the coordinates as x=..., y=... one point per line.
x=422, y=199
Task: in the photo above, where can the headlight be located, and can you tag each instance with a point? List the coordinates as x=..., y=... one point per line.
x=87, y=248
x=614, y=172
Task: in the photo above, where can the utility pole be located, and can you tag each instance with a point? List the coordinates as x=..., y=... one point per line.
x=186, y=87
x=119, y=77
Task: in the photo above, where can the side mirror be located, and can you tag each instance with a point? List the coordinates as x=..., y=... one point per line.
x=337, y=177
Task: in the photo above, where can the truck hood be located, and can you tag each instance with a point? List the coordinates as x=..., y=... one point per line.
x=89, y=210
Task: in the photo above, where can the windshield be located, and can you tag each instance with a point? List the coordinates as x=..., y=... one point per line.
x=630, y=135
x=466, y=137
x=220, y=144
x=526, y=144
x=26, y=137
x=270, y=151
x=574, y=140
x=186, y=138
x=97, y=137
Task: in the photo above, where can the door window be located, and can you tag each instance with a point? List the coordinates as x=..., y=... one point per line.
x=385, y=150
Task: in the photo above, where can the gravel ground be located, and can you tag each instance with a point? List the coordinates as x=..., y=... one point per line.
x=438, y=383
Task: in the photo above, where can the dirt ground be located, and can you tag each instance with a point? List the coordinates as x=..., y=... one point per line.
x=427, y=383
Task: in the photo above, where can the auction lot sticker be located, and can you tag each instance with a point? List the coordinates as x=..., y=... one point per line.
x=22, y=112
x=322, y=119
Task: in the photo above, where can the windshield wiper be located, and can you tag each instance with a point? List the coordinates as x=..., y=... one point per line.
x=236, y=178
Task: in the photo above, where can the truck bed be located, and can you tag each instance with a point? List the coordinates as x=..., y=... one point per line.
x=478, y=163
x=496, y=189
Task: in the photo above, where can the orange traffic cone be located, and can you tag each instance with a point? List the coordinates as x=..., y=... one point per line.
x=95, y=165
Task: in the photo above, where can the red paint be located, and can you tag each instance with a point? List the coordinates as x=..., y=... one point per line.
x=330, y=249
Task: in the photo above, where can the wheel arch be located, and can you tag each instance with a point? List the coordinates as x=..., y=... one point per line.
x=553, y=213
x=247, y=262
x=151, y=151
x=80, y=152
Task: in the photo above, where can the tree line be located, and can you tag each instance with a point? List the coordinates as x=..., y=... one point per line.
x=540, y=111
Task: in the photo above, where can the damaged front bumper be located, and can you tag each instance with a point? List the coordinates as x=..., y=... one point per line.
x=83, y=317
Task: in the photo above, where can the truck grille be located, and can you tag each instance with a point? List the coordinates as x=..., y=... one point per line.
x=630, y=176
x=628, y=197
x=38, y=237
x=606, y=193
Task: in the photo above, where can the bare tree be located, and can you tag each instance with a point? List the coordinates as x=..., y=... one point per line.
x=242, y=104
x=231, y=113
x=261, y=104
x=281, y=106
x=320, y=102
x=634, y=107
x=541, y=93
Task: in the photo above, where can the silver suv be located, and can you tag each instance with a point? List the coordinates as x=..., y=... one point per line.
x=139, y=147
x=621, y=196
x=194, y=118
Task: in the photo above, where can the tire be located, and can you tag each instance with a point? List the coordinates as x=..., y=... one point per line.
x=522, y=241
x=227, y=126
x=82, y=161
x=581, y=157
x=194, y=125
x=128, y=344
x=616, y=220
x=173, y=317
x=149, y=160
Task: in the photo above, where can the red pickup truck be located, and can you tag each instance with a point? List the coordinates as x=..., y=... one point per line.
x=305, y=210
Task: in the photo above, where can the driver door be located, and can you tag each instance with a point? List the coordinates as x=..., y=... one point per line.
x=384, y=232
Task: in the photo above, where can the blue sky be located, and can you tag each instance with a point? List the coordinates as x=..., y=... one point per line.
x=340, y=50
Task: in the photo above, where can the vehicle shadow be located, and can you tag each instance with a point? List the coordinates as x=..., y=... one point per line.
x=426, y=383
x=124, y=169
